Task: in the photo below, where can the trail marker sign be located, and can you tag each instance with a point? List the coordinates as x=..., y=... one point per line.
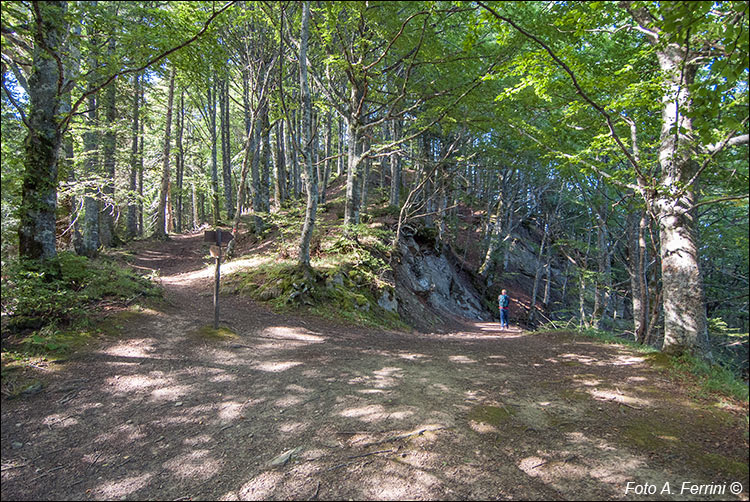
x=220, y=238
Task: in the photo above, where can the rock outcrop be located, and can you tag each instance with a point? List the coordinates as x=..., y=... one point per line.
x=430, y=286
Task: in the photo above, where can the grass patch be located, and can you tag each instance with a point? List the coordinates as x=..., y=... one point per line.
x=657, y=437
x=714, y=378
x=492, y=415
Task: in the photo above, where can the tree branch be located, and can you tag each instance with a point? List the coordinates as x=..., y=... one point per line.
x=152, y=61
x=719, y=199
x=573, y=78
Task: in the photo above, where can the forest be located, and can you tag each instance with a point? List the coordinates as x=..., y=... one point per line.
x=385, y=165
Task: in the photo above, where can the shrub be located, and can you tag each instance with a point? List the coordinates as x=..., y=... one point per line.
x=57, y=292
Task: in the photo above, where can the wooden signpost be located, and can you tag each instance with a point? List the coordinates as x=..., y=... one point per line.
x=220, y=238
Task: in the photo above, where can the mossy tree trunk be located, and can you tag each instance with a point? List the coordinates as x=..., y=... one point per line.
x=107, y=217
x=91, y=242
x=311, y=179
x=132, y=217
x=160, y=230
x=36, y=231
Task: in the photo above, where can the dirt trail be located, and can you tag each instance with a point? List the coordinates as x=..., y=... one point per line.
x=295, y=408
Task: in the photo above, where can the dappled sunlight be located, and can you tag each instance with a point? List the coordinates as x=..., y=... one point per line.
x=461, y=359
x=289, y=333
x=586, y=380
x=627, y=360
x=125, y=384
x=482, y=427
x=369, y=413
x=126, y=433
x=614, y=465
x=298, y=388
x=201, y=439
x=387, y=377
x=579, y=358
x=228, y=411
x=617, y=397
x=275, y=367
x=222, y=377
x=293, y=427
x=59, y=420
x=193, y=464
x=383, y=378
x=371, y=391
x=391, y=484
x=171, y=393
x=111, y=490
x=529, y=465
x=261, y=487
x=130, y=349
x=207, y=272
x=288, y=401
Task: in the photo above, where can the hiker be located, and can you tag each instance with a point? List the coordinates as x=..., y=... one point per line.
x=503, y=302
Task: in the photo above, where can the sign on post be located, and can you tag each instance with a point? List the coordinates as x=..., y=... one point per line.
x=220, y=238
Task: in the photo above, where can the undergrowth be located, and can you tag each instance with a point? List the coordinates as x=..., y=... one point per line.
x=47, y=306
x=349, y=274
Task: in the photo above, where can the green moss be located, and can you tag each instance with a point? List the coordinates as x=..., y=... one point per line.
x=659, y=360
x=573, y=395
x=492, y=415
x=715, y=462
x=652, y=435
x=115, y=323
x=657, y=438
x=222, y=333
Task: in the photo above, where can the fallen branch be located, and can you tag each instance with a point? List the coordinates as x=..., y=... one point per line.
x=48, y=472
x=9, y=467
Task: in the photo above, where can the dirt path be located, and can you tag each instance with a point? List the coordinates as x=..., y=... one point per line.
x=293, y=408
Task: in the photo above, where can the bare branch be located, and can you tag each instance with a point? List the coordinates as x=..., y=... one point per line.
x=16, y=106
x=573, y=78
x=719, y=199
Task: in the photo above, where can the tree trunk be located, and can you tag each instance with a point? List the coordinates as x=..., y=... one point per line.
x=36, y=230
x=603, y=302
x=636, y=267
x=265, y=159
x=180, y=159
x=685, y=323
x=160, y=230
x=91, y=242
x=279, y=175
x=538, y=275
x=353, y=182
x=341, y=148
x=226, y=167
x=107, y=215
x=366, y=164
x=141, y=229
x=132, y=219
x=214, y=166
x=311, y=180
x=326, y=167
x=495, y=246
x=395, y=158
